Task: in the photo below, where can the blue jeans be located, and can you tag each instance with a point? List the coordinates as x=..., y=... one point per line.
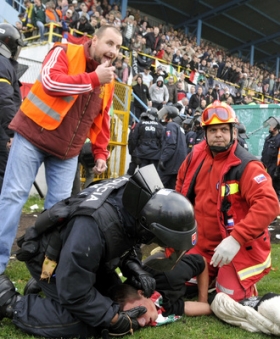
x=41, y=28
x=22, y=167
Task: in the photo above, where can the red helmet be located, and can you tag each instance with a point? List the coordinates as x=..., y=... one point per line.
x=218, y=113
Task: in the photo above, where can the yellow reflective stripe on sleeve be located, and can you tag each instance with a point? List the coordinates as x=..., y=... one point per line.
x=5, y=80
x=233, y=189
x=254, y=270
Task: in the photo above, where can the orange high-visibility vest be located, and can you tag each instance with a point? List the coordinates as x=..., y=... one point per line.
x=48, y=111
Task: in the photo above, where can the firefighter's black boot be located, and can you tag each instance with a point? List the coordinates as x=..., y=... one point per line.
x=8, y=297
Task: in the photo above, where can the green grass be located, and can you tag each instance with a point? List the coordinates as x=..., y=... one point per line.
x=196, y=328
x=33, y=200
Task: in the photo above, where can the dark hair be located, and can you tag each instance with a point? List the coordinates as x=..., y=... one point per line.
x=122, y=294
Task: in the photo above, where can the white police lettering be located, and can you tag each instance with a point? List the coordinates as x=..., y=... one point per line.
x=101, y=188
x=150, y=128
x=149, y=123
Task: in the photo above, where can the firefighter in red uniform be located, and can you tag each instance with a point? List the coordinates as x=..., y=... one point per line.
x=234, y=203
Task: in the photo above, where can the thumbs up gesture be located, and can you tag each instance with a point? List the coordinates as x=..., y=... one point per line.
x=105, y=72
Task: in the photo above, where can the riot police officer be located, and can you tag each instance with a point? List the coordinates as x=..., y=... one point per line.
x=174, y=148
x=242, y=136
x=190, y=134
x=147, y=138
x=270, y=154
x=73, y=249
x=10, y=96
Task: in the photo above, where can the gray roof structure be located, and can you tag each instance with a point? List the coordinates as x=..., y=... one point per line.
x=236, y=25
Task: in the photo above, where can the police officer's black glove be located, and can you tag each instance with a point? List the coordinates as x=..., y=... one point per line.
x=139, y=278
x=127, y=321
x=161, y=166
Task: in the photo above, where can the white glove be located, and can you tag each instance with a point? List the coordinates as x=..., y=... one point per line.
x=225, y=252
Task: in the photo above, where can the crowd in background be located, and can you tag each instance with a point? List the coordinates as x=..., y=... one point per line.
x=239, y=82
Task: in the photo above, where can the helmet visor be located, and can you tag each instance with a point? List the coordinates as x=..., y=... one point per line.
x=162, y=260
x=270, y=122
x=220, y=113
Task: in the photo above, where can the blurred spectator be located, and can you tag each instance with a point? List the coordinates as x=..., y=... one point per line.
x=83, y=26
x=176, y=59
x=147, y=77
x=202, y=84
x=26, y=19
x=121, y=71
x=128, y=30
x=181, y=93
x=185, y=61
x=185, y=106
x=53, y=16
x=168, y=55
x=142, y=92
x=172, y=90
x=94, y=23
x=216, y=92
x=136, y=43
x=271, y=83
x=159, y=93
x=203, y=104
x=230, y=100
x=191, y=91
x=238, y=99
x=243, y=83
x=153, y=40
x=195, y=100
x=225, y=72
x=159, y=71
x=76, y=5
x=209, y=97
x=225, y=95
x=160, y=52
x=62, y=6
x=75, y=14
x=248, y=100
x=66, y=21
x=38, y=18
x=194, y=63
x=203, y=69
x=84, y=11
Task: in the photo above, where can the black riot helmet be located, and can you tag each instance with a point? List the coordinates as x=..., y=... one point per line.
x=164, y=216
x=168, y=112
x=151, y=114
x=10, y=40
x=241, y=130
x=273, y=122
x=187, y=124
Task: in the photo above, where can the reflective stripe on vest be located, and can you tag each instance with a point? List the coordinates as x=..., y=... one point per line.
x=48, y=111
x=254, y=270
x=5, y=80
x=231, y=189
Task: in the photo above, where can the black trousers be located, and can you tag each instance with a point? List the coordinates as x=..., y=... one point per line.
x=46, y=317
